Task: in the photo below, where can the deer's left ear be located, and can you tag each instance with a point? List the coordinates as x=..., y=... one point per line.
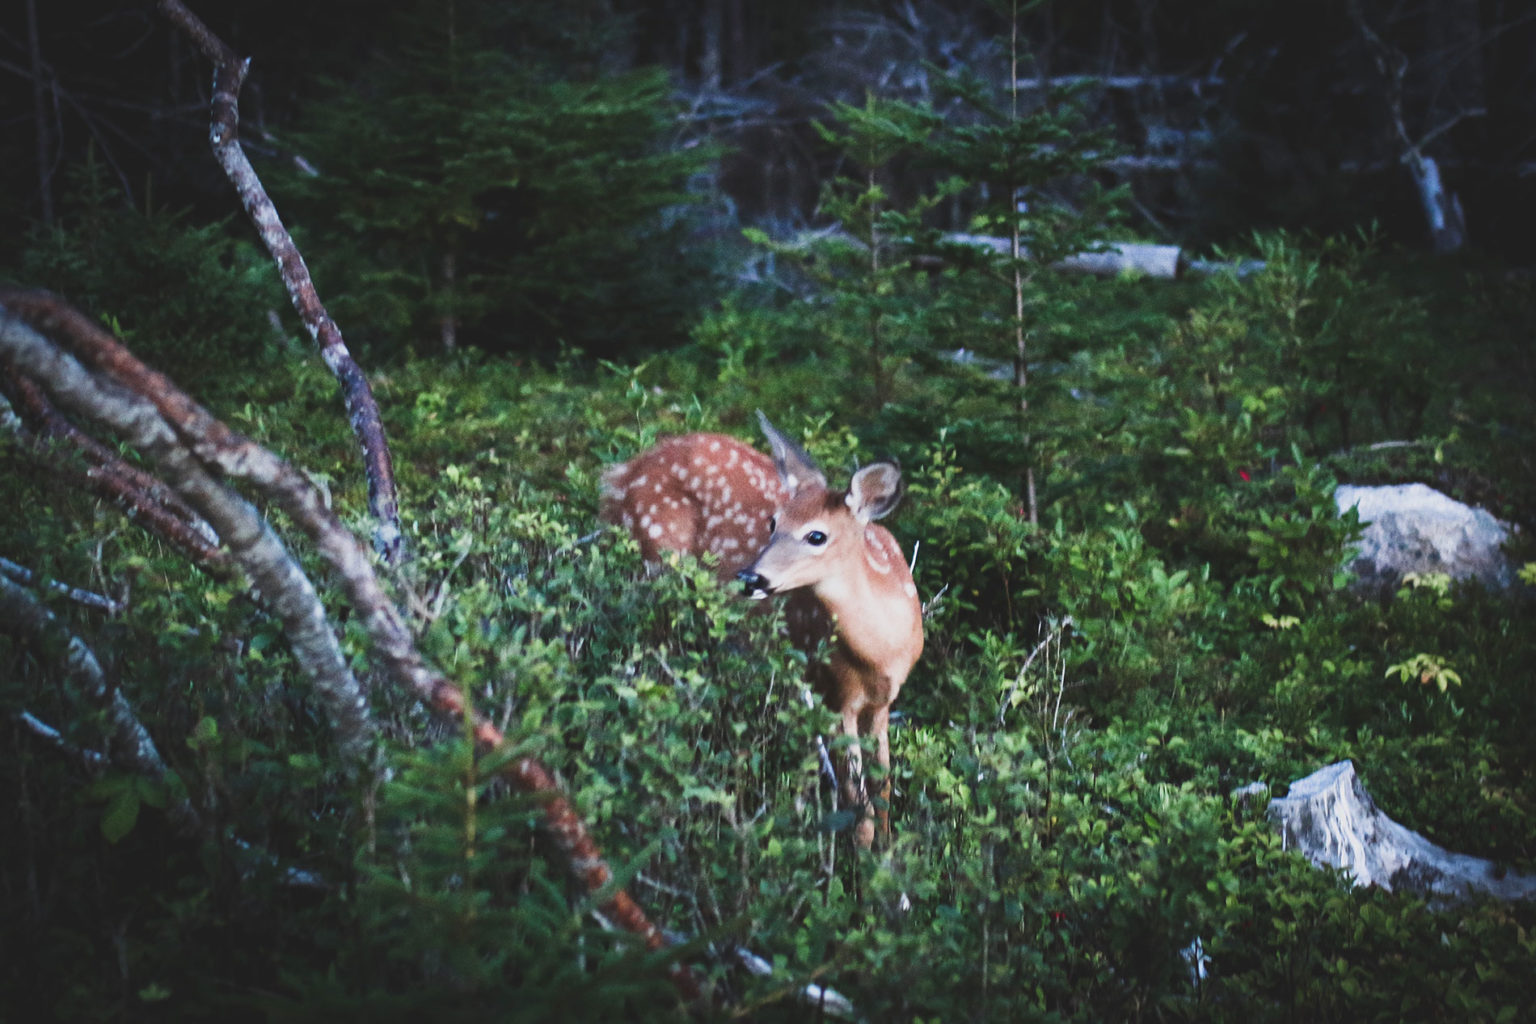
x=796, y=469
x=876, y=490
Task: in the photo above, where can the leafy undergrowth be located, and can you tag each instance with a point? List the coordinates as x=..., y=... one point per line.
x=1094, y=689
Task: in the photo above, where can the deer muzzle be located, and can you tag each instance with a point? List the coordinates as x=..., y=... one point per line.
x=754, y=584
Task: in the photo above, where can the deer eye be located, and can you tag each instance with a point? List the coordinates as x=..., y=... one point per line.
x=773, y=524
x=816, y=538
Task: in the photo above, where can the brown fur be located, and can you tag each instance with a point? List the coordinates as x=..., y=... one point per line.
x=854, y=588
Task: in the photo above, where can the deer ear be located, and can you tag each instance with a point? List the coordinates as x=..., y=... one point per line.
x=875, y=491
x=796, y=470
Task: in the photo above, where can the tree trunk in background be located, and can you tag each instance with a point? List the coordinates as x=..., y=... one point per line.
x=40, y=114
x=448, y=321
x=1434, y=73
x=1453, y=52
x=1442, y=208
x=738, y=67
x=711, y=35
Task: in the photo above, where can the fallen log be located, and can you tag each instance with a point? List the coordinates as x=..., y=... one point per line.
x=1157, y=261
x=1147, y=259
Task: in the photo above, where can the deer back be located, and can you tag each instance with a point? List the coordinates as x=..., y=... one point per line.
x=699, y=493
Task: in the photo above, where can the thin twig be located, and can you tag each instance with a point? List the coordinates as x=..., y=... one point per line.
x=21, y=574
x=1056, y=631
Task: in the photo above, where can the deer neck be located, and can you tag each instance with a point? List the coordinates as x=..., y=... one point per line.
x=875, y=610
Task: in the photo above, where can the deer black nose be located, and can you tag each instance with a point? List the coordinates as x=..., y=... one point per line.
x=753, y=584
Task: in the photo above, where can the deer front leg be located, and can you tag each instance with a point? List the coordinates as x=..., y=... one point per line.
x=877, y=722
x=854, y=795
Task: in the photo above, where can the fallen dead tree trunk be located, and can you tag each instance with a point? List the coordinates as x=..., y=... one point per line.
x=92, y=376
x=1162, y=262
x=1147, y=259
x=1330, y=818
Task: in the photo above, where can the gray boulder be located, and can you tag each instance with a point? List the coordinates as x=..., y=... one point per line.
x=1414, y=528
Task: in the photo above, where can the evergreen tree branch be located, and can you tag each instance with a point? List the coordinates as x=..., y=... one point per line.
x=567, y=830
x=362, y=408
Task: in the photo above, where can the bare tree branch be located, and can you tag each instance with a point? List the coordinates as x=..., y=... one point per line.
x=121, y=405
x=128, y=741
x=92, y=759
x=45, y=431
x=95, y=760
x=26, y=577
x=362, y=409
x=101, y=379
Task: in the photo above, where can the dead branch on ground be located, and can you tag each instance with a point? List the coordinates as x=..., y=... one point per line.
x=92, y=375
x=56, y=442
x=128, y=742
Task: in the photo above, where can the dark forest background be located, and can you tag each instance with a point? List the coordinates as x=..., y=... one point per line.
x=1228, y=117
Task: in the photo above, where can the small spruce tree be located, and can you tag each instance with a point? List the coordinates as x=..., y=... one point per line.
x=865, y=270
x=484, y=174
x=1031, y=184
